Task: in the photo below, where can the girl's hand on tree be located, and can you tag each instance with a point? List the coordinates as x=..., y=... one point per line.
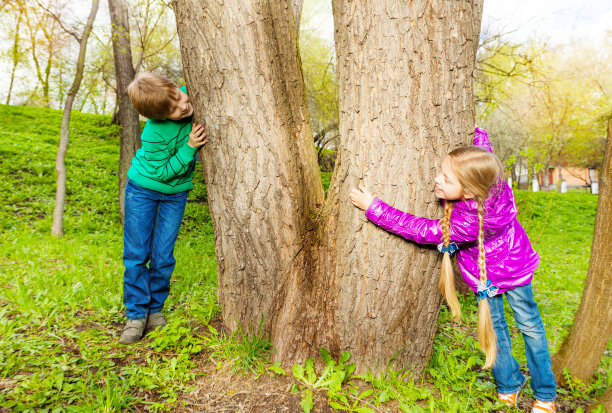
x=197, y=137
x=361, y=197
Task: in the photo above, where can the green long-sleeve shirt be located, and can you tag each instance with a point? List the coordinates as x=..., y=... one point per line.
x=165, y=163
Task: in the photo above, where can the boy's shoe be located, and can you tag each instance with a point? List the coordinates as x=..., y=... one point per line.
x=155, y=321
x=133, y=331
x=543, y=407
x=509, y=399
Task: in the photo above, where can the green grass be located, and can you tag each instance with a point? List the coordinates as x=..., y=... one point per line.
x=61, y=309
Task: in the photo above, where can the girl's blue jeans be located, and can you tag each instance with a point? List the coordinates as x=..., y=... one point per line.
x=506, y=370
x=150, y=226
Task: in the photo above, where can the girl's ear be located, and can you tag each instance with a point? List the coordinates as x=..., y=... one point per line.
x=467, y=195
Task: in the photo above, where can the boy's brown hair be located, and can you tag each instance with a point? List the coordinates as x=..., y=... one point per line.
x=152, y=95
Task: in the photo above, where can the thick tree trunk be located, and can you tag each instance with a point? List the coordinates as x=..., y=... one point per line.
x=586, y=342
x=320, y=275
x=124, y=74
x=263, y=185
x=57, y=227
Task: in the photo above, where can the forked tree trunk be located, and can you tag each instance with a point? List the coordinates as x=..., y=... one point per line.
x=57, y=227
x=124, y=74
x=586, y=342
x=318, y=274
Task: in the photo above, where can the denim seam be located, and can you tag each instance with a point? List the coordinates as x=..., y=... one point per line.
x=137, y=317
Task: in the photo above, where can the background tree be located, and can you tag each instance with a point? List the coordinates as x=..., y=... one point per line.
x=305, y=268
x=124, y=74
x=319, y=68
x=47, y=40
x=583, y=348
x=60, y=166
x=16, y=53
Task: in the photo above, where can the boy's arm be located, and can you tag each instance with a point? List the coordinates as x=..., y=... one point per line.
x=162, y=166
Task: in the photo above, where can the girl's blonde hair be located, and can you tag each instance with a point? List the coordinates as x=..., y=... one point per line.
x=478, y=171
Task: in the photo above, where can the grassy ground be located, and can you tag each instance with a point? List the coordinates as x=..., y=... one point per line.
x=61, y=312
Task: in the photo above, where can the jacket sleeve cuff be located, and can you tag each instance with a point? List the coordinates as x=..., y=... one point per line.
x=374, y=211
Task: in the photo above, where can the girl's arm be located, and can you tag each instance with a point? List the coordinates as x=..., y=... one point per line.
x=421, y=230
x=417, y=229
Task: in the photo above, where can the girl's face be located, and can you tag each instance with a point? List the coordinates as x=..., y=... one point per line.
x=447, y=184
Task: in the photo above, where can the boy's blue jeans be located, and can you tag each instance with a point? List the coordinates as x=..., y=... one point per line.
x=506, y=370
x=150, y=226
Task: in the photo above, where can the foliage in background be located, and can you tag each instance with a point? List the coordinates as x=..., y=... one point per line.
x=552, y=101
x=46, y=58
x=319, y=69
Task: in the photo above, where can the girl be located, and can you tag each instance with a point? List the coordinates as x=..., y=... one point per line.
x=495, y=258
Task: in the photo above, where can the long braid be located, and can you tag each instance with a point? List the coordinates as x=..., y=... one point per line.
x=447, y=281
x=486, y=334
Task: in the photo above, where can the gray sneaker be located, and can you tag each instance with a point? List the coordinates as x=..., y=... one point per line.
x=155, y=321
x=133, y=331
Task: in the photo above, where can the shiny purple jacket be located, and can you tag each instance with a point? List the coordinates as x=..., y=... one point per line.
x=510, y=259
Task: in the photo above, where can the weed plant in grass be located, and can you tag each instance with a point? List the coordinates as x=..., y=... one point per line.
x=61, y=310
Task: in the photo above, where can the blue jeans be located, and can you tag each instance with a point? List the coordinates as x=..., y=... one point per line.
x=150, y=227
x=506, y=370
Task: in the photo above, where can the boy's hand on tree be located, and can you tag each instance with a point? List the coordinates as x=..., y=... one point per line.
x=197, y=137
x=361, y=197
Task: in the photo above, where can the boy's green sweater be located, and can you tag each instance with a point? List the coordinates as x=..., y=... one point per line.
x=165, y=163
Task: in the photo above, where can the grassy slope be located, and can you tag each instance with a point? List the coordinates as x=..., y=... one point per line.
x=60, y=301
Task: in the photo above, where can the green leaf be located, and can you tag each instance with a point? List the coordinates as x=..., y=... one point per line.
x=364, y=410
x=311, y=376
x=366, y=393
x=337, y=406
x=325, y=356
x=344, y=357
x=383, y=396
x=276, y=368
x=307, y=402
x=298, y=372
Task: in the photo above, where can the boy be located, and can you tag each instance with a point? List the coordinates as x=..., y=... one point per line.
x=155, y=197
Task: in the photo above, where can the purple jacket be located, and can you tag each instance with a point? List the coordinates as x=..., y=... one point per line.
x=510, y=259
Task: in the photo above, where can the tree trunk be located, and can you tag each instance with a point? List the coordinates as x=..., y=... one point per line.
x=605, y=400
x=586, y=342
x=57, y=227
x=319, y=275
x=124, y=74
x=15, y=54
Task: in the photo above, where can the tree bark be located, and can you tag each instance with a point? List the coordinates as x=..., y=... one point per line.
x=124, y=74
x=319, y=275
x=57, y=227
x=582, y=349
